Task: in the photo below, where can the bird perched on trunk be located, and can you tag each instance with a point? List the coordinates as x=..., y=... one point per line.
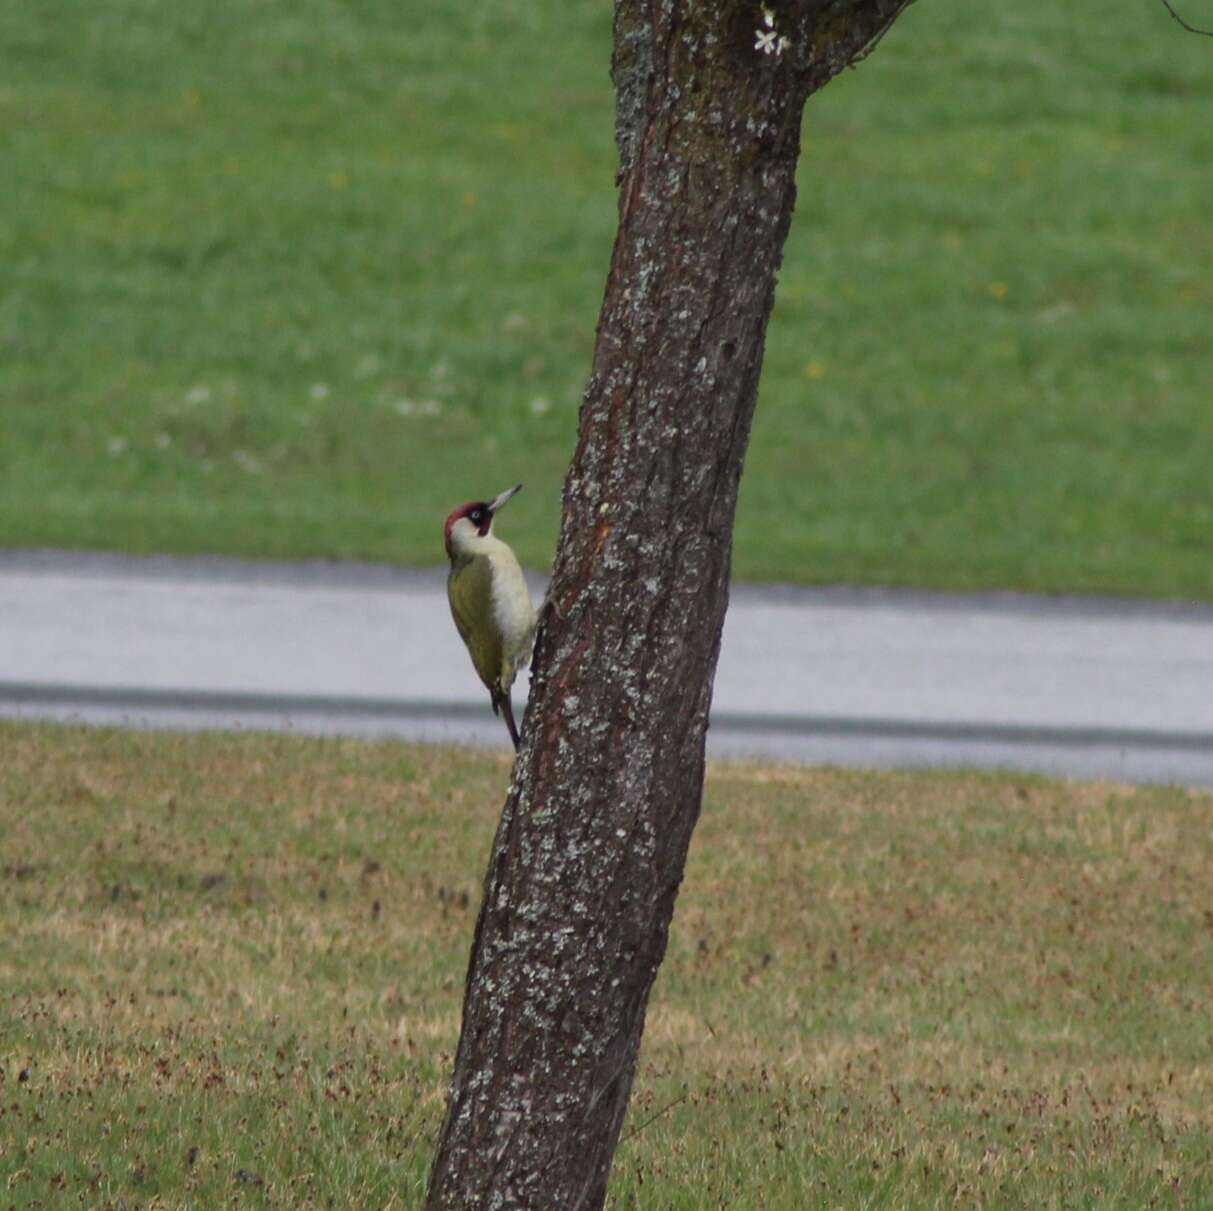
x=489, y=600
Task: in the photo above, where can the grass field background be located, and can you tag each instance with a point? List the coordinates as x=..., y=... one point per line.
x=232, y=966
x=291, y=279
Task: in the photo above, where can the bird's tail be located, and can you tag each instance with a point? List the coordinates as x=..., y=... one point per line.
x=502, y=705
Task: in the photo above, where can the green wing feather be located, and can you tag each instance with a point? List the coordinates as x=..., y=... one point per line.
x=469, y=589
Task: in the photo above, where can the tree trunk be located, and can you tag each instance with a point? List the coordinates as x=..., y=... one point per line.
x=593, y=839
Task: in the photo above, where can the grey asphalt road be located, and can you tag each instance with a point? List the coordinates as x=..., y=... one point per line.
x=1078, y=687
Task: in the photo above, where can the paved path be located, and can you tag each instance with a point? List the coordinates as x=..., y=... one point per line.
x=1082, y=687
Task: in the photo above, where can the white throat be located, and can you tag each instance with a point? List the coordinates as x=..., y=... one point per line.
x=467, y=542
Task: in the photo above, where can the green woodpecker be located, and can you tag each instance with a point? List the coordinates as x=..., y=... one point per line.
x=489, y=600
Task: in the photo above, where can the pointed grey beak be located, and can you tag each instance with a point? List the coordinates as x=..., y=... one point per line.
x=498, y=501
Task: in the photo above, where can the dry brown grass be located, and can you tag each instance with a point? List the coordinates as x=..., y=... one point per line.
x=231, y=969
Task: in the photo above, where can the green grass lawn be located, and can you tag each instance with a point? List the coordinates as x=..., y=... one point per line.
x=231, y=971
x=291, y=279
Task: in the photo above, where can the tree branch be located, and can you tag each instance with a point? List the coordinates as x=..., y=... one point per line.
x=880, y=33
x=654, y=1117
x=1192, y=29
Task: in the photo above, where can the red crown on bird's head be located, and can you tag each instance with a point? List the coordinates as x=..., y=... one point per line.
x=480, y=513
x=465, y=510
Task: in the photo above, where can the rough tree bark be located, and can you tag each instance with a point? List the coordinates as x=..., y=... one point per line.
x=593, y=839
